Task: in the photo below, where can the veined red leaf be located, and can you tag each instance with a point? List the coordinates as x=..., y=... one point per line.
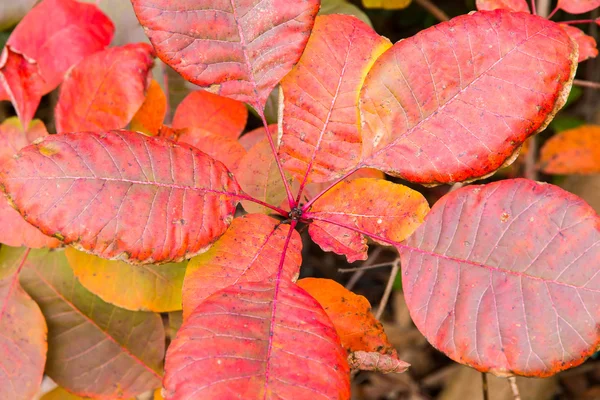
x=320, y=121
x=241, y=49
x=257, y=340
x=95, y=348
x=105, y=90
x=578, y=6
x=149, y=287
x=45, y=50
x=23, y=338
x=123, y=195
x=222, y=148
x=510, y=5
x=250, y=251
x=217, y=114
x=250, y=139
x=376, y=206
x=504, y=278
x=574, y=151
x=472, y=108
x=586, y=43
x=149, y=118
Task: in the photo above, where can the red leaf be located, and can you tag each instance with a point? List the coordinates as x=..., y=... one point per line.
x=257, y=340
x=586, y=43
x=250, y=139
x=578, y=6
x=222, y=148
x=52, y=37
x=510, y=5
x=250, y=251
x=242, y=47
x=105, y=90
x=376, y=206
x=124, y=195
x=216, y=114
x=475, y=104
x=149, y=118
x=320, y=123
x=504, y=278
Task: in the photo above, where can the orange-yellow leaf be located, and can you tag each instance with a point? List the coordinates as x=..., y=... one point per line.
x=149, y=118
x=574, y=151
x=386, y=4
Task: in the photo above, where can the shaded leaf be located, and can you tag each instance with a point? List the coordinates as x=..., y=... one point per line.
x=250, y=139
x=222, y=148
x=343, y=7
x=250, y=251
x=472, y=108
x=574, y=151
x=510, y=5
x=149, y=287
x=95, y=348
x=256, y=44
x=586, y=43
x=216, y=114
x=149, y=118
x=105, y=90
x=123, y=195
x=23, y=332
x=504, y=278
x=372, y=361
x=61, y=394
x=257, y=340
x=578, y=6
x=387, y=4
x=375, y=206
x=175, y=321
x=47, y=50
x=320, y=122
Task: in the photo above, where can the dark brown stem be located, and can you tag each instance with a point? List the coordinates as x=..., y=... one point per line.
x=433, y=10
x=484, y=386
x=388, y=289
x=514, y=388
x=366, y=267
x=587, y=84
x=358, y=274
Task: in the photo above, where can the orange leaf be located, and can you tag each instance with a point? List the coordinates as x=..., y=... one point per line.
x=222, y=148
x=250, y=139
x=586, y=43
x=574, y=151
x=149, y=118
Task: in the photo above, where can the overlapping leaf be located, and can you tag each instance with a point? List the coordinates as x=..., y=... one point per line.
x=250, y=139
x=121, y=194
x=95, y=349
x=149, y=287
x=250, y=251
x=587, y=44
x=149, y=118
x=320, y=124
x=375, y=206
x=455, y=101
x=105, y=90
x=241, y=49
x=578, y=6
x=504, y=278
x=511, y=5
x=39, y=52
x=222, y=148
x=343, y=7
x=257, y=340
x=574, y=151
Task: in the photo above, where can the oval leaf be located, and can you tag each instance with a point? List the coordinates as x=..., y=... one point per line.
x=95, y=349
x=574, y=151
x=510, y=5
x=375, y=206
x=149, y=118
x=455, y=101
x=250, y=251
x=240, y=48
x=124, y=195
x=257, y=340
x=105, y=90
x=504, y=278
x=320, y=138
x=578, y=6
x=587, y=44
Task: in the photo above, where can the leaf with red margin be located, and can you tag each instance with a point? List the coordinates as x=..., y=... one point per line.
x=475, y=104
x=105, y=90
x=94, y=348
x=504, y=278
x=376, y=206
x=250, y=139
x=123, y=195
x=578, y=6
x=15, y=230
x=53, y=36
x=257, y=340
x=574, y=151
x=586, y=43
x=222, y=148
x=241, y=49
x=250, y=251
x=320, y=97
x=213, y=113
x=23, y=338
x=149, y=118
x=510, y=5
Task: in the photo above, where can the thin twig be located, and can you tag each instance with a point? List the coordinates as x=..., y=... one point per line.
x=365, y=267
x=358, y=274
x=484, y=386
x=513, y=386
x=587, y=84
x=433, y=10
x=388, y=289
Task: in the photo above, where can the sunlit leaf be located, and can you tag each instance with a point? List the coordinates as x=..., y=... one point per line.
x=149, y=118
x=578, y=6
x=587, y=44
x=510, y=5
x=574, y=151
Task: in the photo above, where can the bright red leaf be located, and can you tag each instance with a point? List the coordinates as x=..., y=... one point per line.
x=242, y=47
x=578, y=6
x=222, y=148
x=320, y=124
x=105, y=90
x=250, y=251
x=511, y=5
x=124, y=195
x=586, y=43
x=455, y=101
x=257, y=340
x=149, y=118
x=504, y=278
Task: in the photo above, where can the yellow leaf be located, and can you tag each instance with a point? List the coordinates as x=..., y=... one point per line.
x=387, y=4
